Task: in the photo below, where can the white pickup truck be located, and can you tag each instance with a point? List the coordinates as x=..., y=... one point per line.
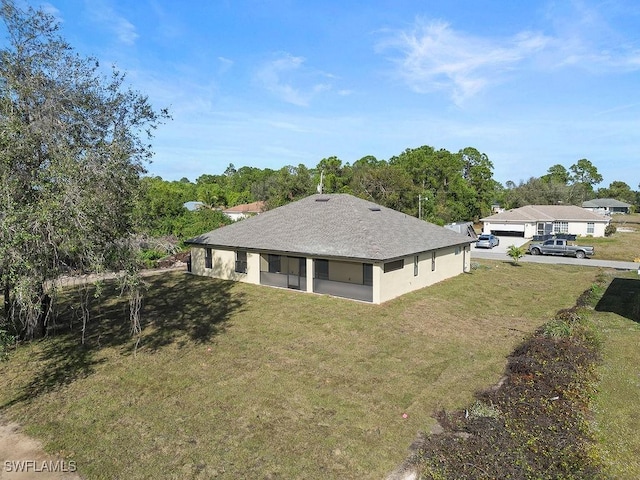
x=557, y=246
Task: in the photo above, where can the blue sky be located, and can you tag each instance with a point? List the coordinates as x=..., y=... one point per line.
x=283, y=82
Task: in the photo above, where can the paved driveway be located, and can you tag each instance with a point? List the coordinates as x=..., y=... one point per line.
x=500, y=253
x=505, y=243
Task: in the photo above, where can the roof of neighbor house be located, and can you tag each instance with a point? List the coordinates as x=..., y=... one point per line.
x=335, y=225
x=254, y=207
x=604, y=202
x=545, y=213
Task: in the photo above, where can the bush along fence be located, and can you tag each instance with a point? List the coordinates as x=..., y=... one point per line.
x=534, y=424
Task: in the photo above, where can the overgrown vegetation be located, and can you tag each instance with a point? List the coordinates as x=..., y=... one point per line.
x=73, y=144
x=535, y=423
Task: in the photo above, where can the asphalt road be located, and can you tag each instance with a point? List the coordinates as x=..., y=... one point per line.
x=500, y=253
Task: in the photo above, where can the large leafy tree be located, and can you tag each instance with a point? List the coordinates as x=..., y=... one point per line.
x=383, y=183
x=618, y=190
x=477, y=170
x=73, y=143
x=585, y=175
x=557, y=174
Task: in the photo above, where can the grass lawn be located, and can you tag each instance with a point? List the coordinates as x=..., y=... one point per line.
x=241, y=381
x=624, y=246
x=616, y=404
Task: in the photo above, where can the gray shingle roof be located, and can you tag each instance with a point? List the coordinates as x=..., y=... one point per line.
x=337, y=225
x=548, y=213
x=605, y=202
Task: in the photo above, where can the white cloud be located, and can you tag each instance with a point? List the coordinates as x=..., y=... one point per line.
x=435, y=57
x=104, y=14
x=287, y=77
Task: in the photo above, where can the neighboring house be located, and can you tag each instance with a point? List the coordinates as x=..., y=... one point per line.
x=544, y=220
x=245, y=210
x=465, y=228
x=606, y=206
x=333, y=244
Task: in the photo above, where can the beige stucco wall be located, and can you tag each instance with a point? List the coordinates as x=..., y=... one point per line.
x=386, y=286
x=396, y=283
x=224, y=264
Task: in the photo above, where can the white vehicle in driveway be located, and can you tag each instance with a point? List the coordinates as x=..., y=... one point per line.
x=487, y=241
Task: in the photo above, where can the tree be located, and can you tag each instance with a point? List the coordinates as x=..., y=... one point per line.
x=73, y=144
x=618, y=190
x=477, y=170
x=386, y=184
x=557, y=174
x=335, y=176
x=586, y=175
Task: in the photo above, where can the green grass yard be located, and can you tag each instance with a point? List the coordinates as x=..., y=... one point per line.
x=240, y=381
x=616, y=415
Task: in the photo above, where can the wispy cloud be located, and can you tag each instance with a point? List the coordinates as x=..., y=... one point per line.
x=105, y=15
x=586, y=38
x=433, y=56
x=287, y=77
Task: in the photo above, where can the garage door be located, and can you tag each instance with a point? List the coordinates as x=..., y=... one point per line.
x=508, y=229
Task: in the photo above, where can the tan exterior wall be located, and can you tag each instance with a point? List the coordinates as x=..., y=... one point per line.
x=224, y=264
x=349, y=272
x=398, y=282
x=386, y=286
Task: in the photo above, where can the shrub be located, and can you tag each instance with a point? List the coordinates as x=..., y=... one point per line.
x=610, y=230
x=7, y=341
x=516, y=253
x=533, y=424
x=148, y=257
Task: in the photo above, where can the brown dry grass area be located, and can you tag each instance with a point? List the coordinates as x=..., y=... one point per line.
x=241, y=381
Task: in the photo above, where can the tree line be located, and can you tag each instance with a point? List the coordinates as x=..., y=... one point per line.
x=437, y=185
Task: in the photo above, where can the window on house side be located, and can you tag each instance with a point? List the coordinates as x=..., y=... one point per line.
x=560, y=227
x=367, y=274
x=208, y=258
x=590, y=228
x=416, y=259
x=391, y=266
x=433, y=261
x=241, y=261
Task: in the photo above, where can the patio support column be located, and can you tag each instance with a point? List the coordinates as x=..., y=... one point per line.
x=377, y=283
x=310, y=274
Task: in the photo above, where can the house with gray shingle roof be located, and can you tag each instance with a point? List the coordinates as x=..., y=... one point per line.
x=606, y=206
x=333, y=244
x=533, y=220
